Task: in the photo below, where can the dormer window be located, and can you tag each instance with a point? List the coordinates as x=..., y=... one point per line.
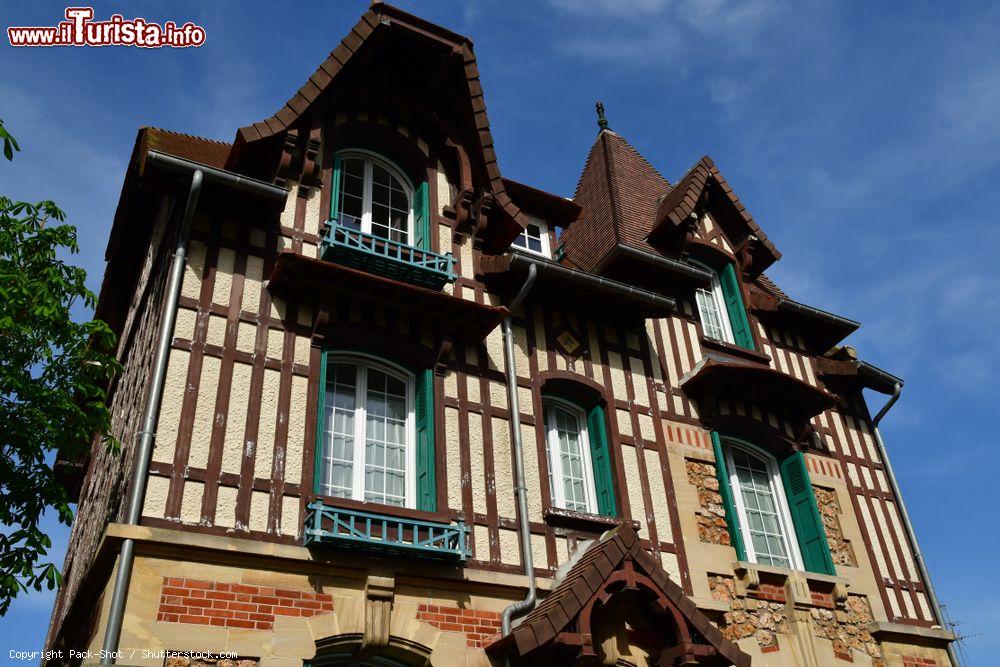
x=535, y=237
x=712, y=309
x=374, y=197
x=720, y=307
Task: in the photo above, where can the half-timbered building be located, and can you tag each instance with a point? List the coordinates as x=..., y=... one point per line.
x=383, y=406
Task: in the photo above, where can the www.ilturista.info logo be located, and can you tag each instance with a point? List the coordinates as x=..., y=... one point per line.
x=80, y=29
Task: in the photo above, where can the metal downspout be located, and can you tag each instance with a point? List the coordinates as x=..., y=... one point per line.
x=112, y=633
x=910, y=534
x=520, y=488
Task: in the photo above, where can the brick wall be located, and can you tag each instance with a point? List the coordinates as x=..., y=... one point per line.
x=235, y=605
x=478, y=626
x=913, y=661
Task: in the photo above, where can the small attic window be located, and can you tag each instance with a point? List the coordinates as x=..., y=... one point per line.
x=535, y=237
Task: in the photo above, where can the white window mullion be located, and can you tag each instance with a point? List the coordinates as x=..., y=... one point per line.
x=555, y=460
x=360, y=429
x=588, y=465
x=366, y=203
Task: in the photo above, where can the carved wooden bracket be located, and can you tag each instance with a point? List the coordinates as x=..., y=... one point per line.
x=284, y=175
x=310, y=165
x=462, y=207
x=443, y=353
x=320, y=323
x=479, y=216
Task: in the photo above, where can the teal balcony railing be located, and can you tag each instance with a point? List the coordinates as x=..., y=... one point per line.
x=391, y=259
x=329, y=525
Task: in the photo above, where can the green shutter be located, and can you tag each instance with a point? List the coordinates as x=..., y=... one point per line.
x=421, y=218
x=600, y=459
x=734, y=306
x=335, y=190
x=320, y=418
x=426, y=487
x=805, y=515
x=726, y=491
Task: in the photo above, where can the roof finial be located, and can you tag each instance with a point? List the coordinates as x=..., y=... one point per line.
x=602, y=122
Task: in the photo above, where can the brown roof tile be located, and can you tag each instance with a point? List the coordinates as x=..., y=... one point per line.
x=197, y=149
x=618, y=192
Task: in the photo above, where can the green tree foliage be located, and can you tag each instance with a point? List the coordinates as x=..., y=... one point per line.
x=53, y=377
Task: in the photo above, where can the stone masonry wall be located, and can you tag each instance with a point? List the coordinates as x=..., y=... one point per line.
x=847, y=628
x=830, y=510
x=711, y=513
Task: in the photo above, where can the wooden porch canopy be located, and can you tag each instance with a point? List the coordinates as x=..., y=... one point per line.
x=616, y=596
x=712, y=380
x=296, y=274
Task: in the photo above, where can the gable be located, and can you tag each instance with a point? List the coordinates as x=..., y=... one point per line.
x=616, y=581
x=391, y=61
x=704, y=188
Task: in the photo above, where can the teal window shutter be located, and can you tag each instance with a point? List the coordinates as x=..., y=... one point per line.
x=320, y=424
x=726, y=491
x=421, y=218
x=600, y=459
x=734, y=306
x=805, y=515
x=424, y=413
x=335, y=190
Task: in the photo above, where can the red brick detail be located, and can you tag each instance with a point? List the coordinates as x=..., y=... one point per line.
x=770, y=592
x=773, y=648
x=235, y=605
x=844, y=656
x=479, y=627
x=822, y=599
x=914, y=661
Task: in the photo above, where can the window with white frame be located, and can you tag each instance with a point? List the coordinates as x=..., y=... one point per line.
x=758, y=493
x=368, y=432
x=712, y=309
x=567, y=446
x=374, y=197
x=534, y=237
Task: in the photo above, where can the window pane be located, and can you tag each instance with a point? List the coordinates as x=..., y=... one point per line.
x=759, y=497
x=385, y=450
x=352, y=187
x=711, y=321
x=338, y=431
x=572, y=484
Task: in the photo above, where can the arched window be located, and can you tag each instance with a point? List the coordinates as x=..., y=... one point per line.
x=374, y=197
x=567, y=443
x=768, y=531
x=771, y=511
x=576, y=447
x=368, y=436
x=720, y=307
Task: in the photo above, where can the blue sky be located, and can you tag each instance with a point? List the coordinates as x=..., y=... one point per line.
x=864, y=138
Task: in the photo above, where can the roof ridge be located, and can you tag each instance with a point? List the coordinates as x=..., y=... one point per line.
x=186, y=134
